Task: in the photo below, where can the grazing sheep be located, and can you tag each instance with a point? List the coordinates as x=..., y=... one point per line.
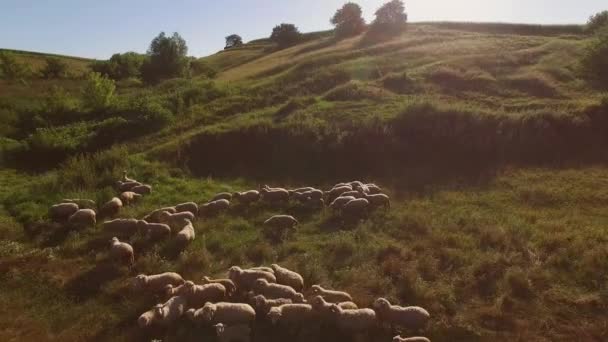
x=198, y=295
x=340, y=202
x=247, y=197
x=129, y=197
x=323, y=308
x=127, y=186
x=149, y=317
x=356, y=207
x=186, y=235
x=125, y=178
x=154, y=231
x=154, y=217
x=373, y=189
x=410, y=317
x=336, y=192
x=83, y=218
x=282, y=221
x=142, y=189
x=301, y=190
x=82, y=203
x=354, y=321
x=121, y=251
x=266, y=187
x=62, y=211
x=121, y=227
x=227, y=283
x=378, y=200
x=245, y=279
x=222, y=195
x=112, y=207
x=227, y=313
x=291, y=314
x=213, y=207
x=273, y=291
x=354, y=193
x=263, y=305
x=176, y=221
x=331, y=295
x=158, y=282
x=172, y=291
x=262, y=268
x=410, y=339
x=233, y=333
x=189, y=206
x=171, y=310
x=288, y=277
x=275, y=195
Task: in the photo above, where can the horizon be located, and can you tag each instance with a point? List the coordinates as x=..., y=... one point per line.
x=99, y=30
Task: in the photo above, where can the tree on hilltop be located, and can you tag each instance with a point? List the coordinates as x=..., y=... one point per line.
x=233, y=40
x=285, y=35
x=348, y=20
x=166, y=58
x=390, y=18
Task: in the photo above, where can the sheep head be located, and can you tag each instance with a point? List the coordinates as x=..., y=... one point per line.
x=260, y=284
x=190, y=314
x=299, y=298
x=274, y=314
x=219, y=329
x=316, y=289
x=208, y=312
x=381, y=303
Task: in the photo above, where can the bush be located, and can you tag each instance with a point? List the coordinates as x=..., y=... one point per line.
x=594, y=64
x=597, y=22
x=54, y=68
x=201, y=68
x=98, y=92
x=348, y=20
x=233, y=40
x=354, y=91
x=167, y=58
x=11, y=69
x=120, y=66
x=285, y=35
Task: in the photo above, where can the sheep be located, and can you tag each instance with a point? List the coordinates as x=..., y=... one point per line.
x=315, y=203
x=171, y=310
x=127, y=186
x=275, y=195
x=121, y=227
x=171, y=291
x=378, y=200
x=411, y=317
x=189, y=206
x=154, y=231
x=291, y=314
x=247, y=197
x=83, y=218
x=331, y=295
x=186, y=235
x=198, y=295
x=354, y=193
x=340, y=202
x=266, y=187
x=373, y=189
x=213, y=207
x=125, y=178
x=121, y=251
x=227, y=283
x=226, y=313
x=314, y=194
x=262, y=268
x=323, y=308
x=273, y=291
x=82, y=203
x=356, y=207
x=112, y=207
x=410, y=339
x=232, y=333
x=129, y=197
x=222, y=195
x=176, y=221
x=158, y=282
x=282, y=221
x=336, y=192
x=288, y=277
x=301, y=190
x=245, y=279
x=154, y=216
x=62, y=211
x=142, y=189
x=263, y=305
x=149, y=317
x=355, y=320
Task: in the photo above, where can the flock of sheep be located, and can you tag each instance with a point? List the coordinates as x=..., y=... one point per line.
x=273, y=293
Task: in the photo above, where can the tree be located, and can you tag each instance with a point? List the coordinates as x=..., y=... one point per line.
x=166, y=58
x=54, y=68
x=233, y=40
x=594, y=63
x=597, y=21
x=348, y=20
x=98, y=92
x=285, y=35
x=390, y=18
x=12, y=69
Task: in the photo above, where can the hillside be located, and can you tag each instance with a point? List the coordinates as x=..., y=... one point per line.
x=491, y=148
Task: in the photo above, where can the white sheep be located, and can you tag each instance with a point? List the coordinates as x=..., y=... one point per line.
x=148, y=318
x=227, y=283
x=176, y=221
x=188, y=206
x=157, y=283
x=340, y=202
x=410, y=339
x=121, y=227
x=315, y=203
x=336, y=192
x=373, y=189
x=62, y=211
x=112, y=207
x=331, y=295
x=171, y=310
x=129, y=197
x=127, y=186
x=233, y=333
x=272, y=290
x=356, y=207
x=291, y=314
x=282, y=222
x=247, y=197
x=355, y=320
x=198, y=295
x=262, y=268
x=186, y=235
x=222, y=195
x=378, y=200
x=213, y=207
x=142, y=189
x=287, y=277
x=227, y=313
x=82, y=203
x=121, y=251
x=153, y=217
x=172, y=291
x=245, y=279
x=263, y=305
x=301, y=190
x=275, y=195
x=354, y=193
x=154, y=231
x=323, y=308
x=125, y=177
x=83, y=218
x=411, y=317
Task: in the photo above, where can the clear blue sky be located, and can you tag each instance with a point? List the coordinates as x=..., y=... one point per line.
x=99, y=28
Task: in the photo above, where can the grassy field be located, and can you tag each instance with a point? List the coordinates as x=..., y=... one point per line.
x=489, y=144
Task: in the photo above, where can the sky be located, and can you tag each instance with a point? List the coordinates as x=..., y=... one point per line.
x=100, y=28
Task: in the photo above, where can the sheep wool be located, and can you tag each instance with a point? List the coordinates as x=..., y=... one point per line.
x=273, y=291
x=121, y=251
x=157, y=283
x=287, y=277
x=410, y=339
x=331, y=295
x=171, y=310
x=291, y=314
x=227, y=283
x=83, y=218
x=354, y=321
x=189, y=206
x=227, y=313
x=112, y=207
x=62, y=211
x=121, y=227
x=245, y=279
x=411, y=317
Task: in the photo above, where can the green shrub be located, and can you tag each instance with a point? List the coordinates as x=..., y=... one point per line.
x=54, y=68
x=201, y=68
x=93, y=171
x=12, y=69
x=354, y=91
x=399, y=83
x=597, y=22
x=98, y=92
x=594, y=64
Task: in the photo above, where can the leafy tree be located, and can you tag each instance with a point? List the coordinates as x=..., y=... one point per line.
x=54, y=68
x=285, y=35
x=99, y=91
x=12, y=69
x=390, y=18
x=597, y=22
x=348, y=20
x=594, y=62
x=166, y=58
x=233, y=40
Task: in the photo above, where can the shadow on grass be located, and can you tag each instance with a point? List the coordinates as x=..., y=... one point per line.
x=89, y=283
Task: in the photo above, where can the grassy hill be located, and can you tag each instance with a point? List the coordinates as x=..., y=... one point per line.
x=488, y=142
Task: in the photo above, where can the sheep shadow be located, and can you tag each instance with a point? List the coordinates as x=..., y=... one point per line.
x=54, y=234
x=89, y=283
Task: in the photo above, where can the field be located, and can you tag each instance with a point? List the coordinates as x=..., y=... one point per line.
x=492, y=149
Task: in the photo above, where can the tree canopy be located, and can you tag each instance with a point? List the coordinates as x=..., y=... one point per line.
x=285, y=35
x=348, y=20
x=166, y=58
x=597, y=21
x=391, y=17
x=233, y=40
